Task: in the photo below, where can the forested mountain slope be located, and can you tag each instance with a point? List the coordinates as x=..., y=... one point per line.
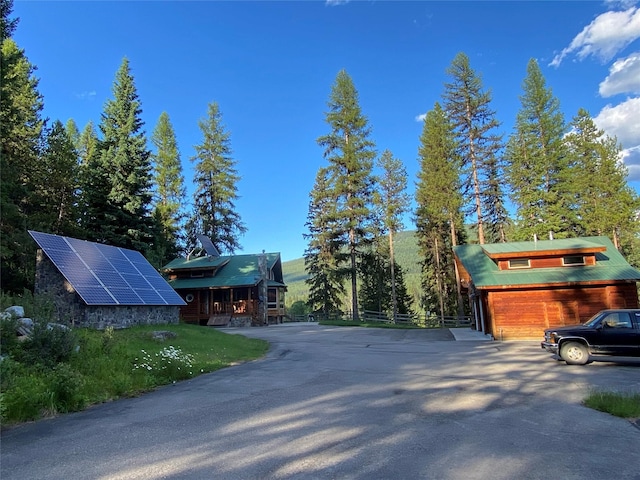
x=406, y=253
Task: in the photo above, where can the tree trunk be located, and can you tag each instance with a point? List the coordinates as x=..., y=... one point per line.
x=455, y=266
x=439, y=283
x=394, y=300
x=354, y=285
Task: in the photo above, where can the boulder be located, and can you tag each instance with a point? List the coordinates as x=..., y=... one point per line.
x=163, y=335
x=15, y=311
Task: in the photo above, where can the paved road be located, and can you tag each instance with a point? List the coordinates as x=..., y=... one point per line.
x=339, y=403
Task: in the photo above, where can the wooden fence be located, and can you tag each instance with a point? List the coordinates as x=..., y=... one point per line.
x=430, y=321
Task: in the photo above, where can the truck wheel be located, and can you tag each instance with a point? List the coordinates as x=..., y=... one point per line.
x=574, y=353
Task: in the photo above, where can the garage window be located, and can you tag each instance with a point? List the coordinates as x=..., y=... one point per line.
x=519, y=263
x=573, y=260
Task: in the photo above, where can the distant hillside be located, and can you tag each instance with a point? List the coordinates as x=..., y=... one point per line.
x=406, y=253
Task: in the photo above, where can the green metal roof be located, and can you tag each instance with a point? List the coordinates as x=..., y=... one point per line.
x=232, y=271
x=543, y=245
x=484, y=272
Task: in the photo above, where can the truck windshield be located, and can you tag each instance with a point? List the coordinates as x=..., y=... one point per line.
x=593, y=321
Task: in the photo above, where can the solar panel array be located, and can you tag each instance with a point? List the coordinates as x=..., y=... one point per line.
x=106, y=275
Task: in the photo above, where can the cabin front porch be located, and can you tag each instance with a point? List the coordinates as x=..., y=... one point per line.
x=231, y=307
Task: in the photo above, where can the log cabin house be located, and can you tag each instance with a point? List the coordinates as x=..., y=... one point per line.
x=518, y=289
x=229, y=290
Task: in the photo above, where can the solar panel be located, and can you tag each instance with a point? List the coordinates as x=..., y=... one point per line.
x=208, y=246
x=106, y=275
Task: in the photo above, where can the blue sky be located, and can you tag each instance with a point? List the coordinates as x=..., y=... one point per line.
x=270, y=66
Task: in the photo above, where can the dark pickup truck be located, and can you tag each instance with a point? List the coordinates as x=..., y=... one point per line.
x=609, y=332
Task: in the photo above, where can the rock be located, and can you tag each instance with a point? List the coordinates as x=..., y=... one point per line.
x=25, y=327
x=16, y=311
x=51, y=326
x=163, y=335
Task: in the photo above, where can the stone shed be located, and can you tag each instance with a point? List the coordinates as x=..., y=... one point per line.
x=96, y=285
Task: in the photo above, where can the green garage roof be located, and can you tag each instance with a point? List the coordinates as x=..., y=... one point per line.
x=610, y=264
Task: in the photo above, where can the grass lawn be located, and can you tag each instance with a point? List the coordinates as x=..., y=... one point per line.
x=111, y=364
x=625, y=405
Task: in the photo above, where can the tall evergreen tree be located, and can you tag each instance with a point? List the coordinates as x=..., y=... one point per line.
x=216, y=181
x=7, y=25
x=604, y=202
x=350, y=153
x=118, y=190
x=72, y=132
x=468, y=106
x=55, y=185
x=377, y=291
x=86, y=143
x=324, y=252
x=438, y=213
x=170, y=191
x=20, y=135
x=92, y=187
x=537, y=163
x=493, y=197
x=395, y=203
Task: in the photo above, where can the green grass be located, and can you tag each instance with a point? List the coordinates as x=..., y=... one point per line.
x=114, y=364
x=625, y=405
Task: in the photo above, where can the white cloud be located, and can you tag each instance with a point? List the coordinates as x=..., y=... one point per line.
x=631, y=158
x=335, y=3
x=421, y=117
x=620, y=3
x=622, y=121
x=605, y=36
x=86, y=95
x=624, y=76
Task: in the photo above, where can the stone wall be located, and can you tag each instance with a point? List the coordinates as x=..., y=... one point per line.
x=123, y=316
x=70, y=309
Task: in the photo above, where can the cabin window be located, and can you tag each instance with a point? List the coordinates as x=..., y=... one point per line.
x=519, y=263
x=272, y=298
x=197, y=274
x=573, y=260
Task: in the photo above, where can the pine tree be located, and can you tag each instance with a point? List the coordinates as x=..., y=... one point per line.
x=216, y=181
x=7, y=25
x=72, y=132
x=118, y=188
x=170, y=191
x=20, y=135
x=377, y=291
x=598, y=181
x=87, y=143
x=468, y=107
x=395, y=203
x=537, y=163
x=55, y=185
x=438, y=213
x=493, y=206
x=323, y=255
x=350, y=153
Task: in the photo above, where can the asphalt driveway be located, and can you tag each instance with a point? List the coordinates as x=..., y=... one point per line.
x=350, y=403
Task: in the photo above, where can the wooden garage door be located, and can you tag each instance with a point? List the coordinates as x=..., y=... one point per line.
x=525, y=314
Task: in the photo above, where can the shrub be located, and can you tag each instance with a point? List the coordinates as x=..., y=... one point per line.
x=27, y=398
x=48, y=344
x=9, y=343
x=67, y=386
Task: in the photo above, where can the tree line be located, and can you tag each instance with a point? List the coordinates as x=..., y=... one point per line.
x=548, y=178
x=104, y=183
